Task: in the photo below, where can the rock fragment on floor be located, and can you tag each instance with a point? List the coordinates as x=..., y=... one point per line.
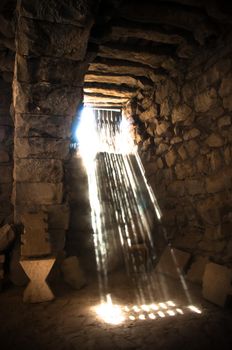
x=173, y=262
x=217, y=283
x=72, y=272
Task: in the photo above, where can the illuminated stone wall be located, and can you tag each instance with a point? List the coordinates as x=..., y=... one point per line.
x=184, y=133
x=51, y=43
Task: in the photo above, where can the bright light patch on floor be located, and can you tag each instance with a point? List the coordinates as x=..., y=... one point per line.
x=142, y=317
x=154, y=307
x=145, y=307
x=161, y=313
x=170, y=303
x=132, y=318
x=117, y=314
x=110, y=313
x=163, y=305
x=180, y=311
x=171, y=312
x=194, y=309
x=136, y=308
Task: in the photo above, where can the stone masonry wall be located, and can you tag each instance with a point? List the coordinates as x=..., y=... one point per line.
x=184, y=132
x=6, y=153
x=51, y=42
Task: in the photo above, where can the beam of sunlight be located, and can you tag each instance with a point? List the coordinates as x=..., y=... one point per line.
x=123, y=207
x=111, y=160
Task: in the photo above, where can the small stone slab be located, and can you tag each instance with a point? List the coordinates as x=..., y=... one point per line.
x=37, y=270
x=173, y=262
x=217, y=283
x=196, y=270
x=72, y=272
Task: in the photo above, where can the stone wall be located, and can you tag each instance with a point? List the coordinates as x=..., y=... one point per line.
x=51, y=43
x=6, y=153
x=184, y=132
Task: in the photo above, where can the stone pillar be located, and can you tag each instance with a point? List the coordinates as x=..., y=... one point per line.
x=50, y=64
x=6, y=151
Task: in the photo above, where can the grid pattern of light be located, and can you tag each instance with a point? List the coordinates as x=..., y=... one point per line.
x=117, y=314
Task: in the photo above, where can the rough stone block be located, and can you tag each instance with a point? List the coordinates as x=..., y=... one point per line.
x=213, y=232
x=173, y=262
x=224, y=121
x=214, y=140
x=189, y=240
x=38, y=193
x=58, y=40
x=65, y=12
x=38, y=147
x=149, y=114
x=215, y=160
x=212, y=246
x=217, y=183
x=184, y=169
x=161, y=148
x=37, y=270
x=46, y=98
x=35, y=241
x=162, y=128
x=192, y=148
x=194, y=186
x=182, y=152
x=38, y=170
x=35, y=70
x=34, y=126
x=171, y=158
x=6, y=236
x=217, y=283
x=167, y=88
x=191, y=134
x=226, y=86
x=209, y=210
x=72, y=272
x=176, y=188
x=188, y=92
x=165, y=108
x=197, y=269
x=58, y=216
x=227, y=102
x=181, y=113
x=206, y=100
